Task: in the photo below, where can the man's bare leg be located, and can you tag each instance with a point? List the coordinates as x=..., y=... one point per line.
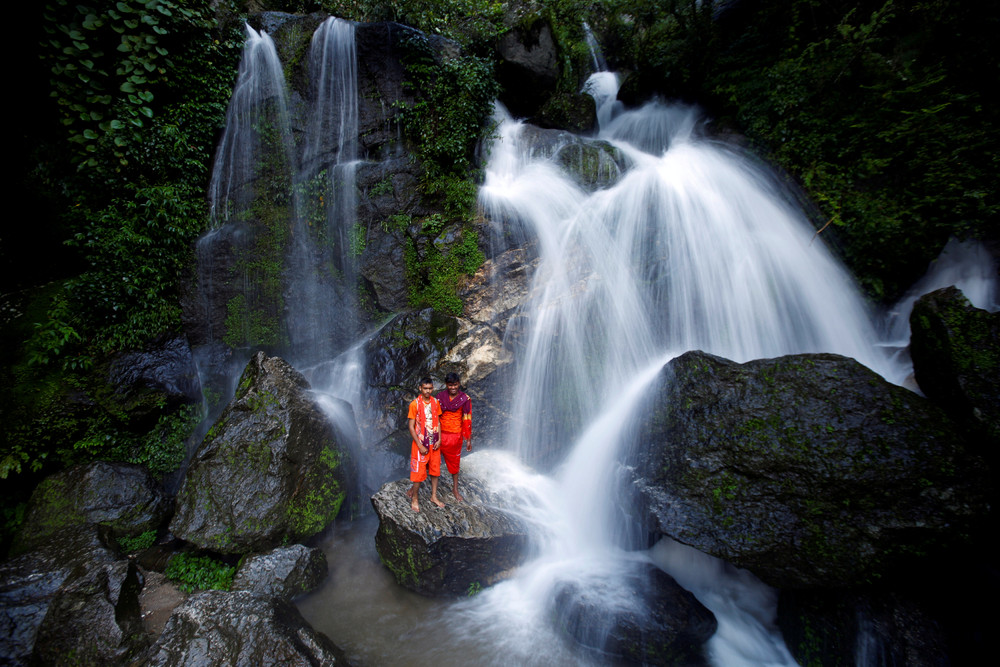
x=454, y=488
x=434, y=492
x=412, y=494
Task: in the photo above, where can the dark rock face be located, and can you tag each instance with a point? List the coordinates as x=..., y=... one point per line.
x=640, y=614
x=283, y=572
x=446, y=551
x=808, y=470
x=94, y=618
x=410, y=346
x=867, y=627
x=956, y=358
x=528, y=69
x=245, y=628
x=121, y=496
x=269, y=470
x=69, y=598
x=166, y=369
x=575, y=112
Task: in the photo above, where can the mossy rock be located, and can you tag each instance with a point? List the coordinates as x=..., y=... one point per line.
x=270, y=470
x=809, y=470
x=956, y=359
x=120, y=496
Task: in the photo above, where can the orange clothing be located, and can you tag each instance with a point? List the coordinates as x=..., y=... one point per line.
x=451, y=450
x=422, y=465
x=457, y=413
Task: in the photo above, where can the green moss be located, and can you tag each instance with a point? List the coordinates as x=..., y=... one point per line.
x=312, y=511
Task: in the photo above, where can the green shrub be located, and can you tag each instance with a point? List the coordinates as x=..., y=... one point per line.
x=138, y=542
x=193, y=573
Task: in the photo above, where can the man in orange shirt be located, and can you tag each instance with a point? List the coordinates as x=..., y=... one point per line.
x=425, y=450
x=456, y=426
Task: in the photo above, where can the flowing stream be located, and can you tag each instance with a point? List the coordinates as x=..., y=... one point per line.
x=689, y=243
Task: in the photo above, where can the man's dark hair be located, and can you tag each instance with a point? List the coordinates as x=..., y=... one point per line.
x=451, y=377
x=426, y=380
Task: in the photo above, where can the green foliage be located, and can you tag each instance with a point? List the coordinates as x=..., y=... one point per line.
x=136, y=247
x=434, y=281
x=110, y=60
x=138, y=542
x=474, y=589
x=194, y=573
x=455, y=98
x=474, y=24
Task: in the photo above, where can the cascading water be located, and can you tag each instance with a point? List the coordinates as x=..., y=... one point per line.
x=322, y=269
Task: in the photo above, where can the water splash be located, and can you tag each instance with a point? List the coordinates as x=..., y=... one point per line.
x=966, y=264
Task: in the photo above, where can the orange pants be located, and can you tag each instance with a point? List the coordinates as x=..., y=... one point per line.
x=422, y=465
x=451, y=450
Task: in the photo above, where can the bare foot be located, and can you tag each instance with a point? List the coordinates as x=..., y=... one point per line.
x=415, y=506
x=434, y=499
x=458, y=496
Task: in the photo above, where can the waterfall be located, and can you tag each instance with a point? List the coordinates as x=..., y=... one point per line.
x=697, y=246
x=322, y=268
x=257, y=130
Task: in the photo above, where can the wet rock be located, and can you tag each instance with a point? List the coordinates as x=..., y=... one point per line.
x=956, y=358
x=283, y=572
x=575, y=112
x=528, y=68
x=269, y=471
x=808, y=470
x=120, y=496
x=447, y=551
x=639, y=614
x=69, y=594
x=497, y=290
x=593, y=163
x=245, y=628
x=165, y=370
x=94, y=618
x=865, y=627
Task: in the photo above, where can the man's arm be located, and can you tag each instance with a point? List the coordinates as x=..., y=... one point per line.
x=416, y=436
x=467, y=425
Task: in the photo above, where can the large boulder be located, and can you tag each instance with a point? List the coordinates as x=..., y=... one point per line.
x=120, y=496
x=269, y=471
x=638, y=613
x=283, y=572
x=593, y=163
x=808, y=470
x=70, y=599
x=528, y=68
x=240, y=628
x=956, y=358
x=448, y=551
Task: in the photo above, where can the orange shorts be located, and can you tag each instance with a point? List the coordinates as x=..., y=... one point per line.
x=422, y=465
x=451, y=450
